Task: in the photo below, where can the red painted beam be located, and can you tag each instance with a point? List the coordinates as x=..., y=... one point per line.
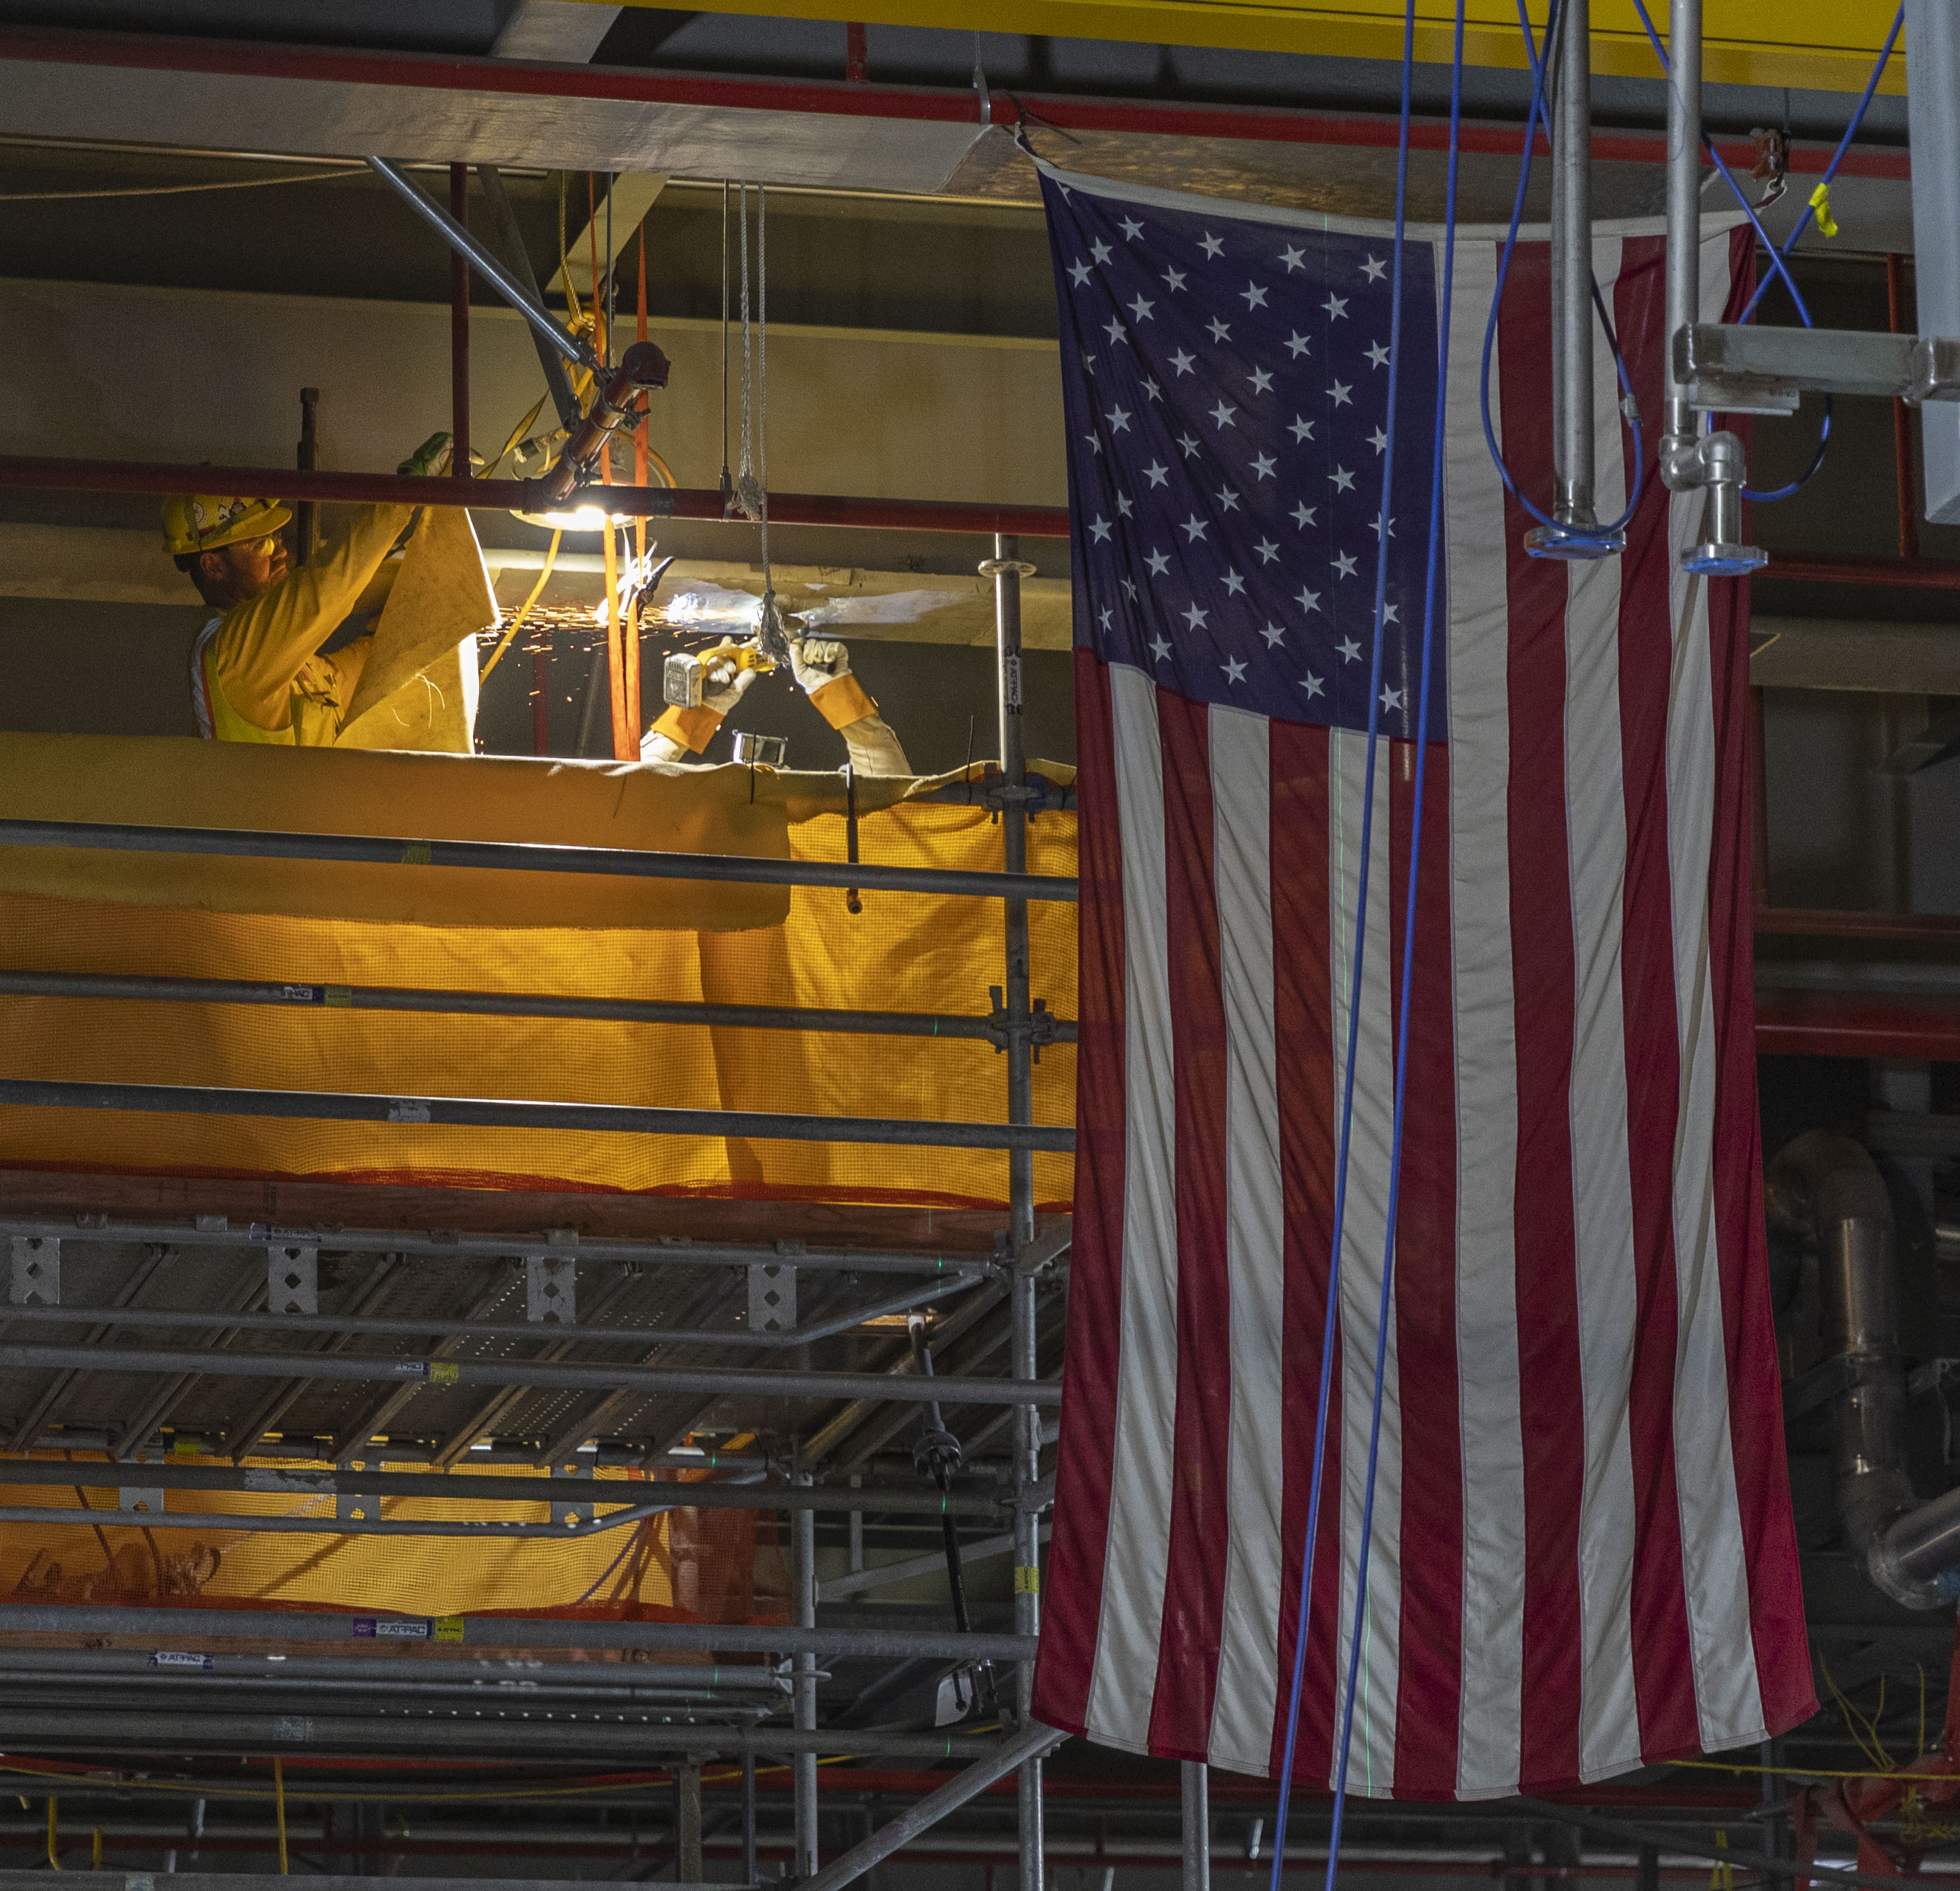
x=1913, y=574
x=1828, y=922
x=524, y=495
x=1856, y=1024
x=436, y=72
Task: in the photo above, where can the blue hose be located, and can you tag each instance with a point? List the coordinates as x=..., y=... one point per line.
x=1412, y=901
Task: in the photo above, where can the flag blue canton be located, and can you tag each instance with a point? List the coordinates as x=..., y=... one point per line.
x=1225, y=382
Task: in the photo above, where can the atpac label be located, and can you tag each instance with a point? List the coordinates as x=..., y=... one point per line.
x=393, y=1628
x=173, y=1658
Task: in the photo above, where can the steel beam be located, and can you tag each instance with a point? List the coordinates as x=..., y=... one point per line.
x=726, y=1381
x=803, y=1527
x=173, y=1627
x=483, y=1112
x=1742, y=369
x=530, y=857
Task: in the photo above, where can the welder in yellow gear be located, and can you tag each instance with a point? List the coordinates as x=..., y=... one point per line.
x=256, y=672
x=822, y=668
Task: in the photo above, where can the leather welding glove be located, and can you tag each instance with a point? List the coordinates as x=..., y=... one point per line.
x=822, y=668
x=679, y=733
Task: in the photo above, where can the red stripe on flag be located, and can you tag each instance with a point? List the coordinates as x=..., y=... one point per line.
x=1551, y=1396
x=1195, y=1576
x=1755, y=1393
x=1303, y=1029
x=1663, y=1644
x=1429, y=1698
x=1070, y=1622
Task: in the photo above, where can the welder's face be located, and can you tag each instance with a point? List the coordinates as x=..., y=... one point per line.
x=255, y=565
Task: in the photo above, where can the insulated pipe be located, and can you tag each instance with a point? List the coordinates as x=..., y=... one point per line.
x=1572, y=270
x=1827, y=1190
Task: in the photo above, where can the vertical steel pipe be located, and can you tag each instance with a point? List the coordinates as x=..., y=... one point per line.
x=1684, y=208
x=750, y=1872
x=803, y=1533
x=1908, y=501
x=307, y=511
x=1572, y=268
x=458, y=327
x=1197, y=1782
x=1007, y=568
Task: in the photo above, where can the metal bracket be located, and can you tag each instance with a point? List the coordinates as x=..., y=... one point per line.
x=36, y=1278
x=550, y=1288
x=1048, y=1246
x=571, y=1515
x=1742, y=369
x=1038, y=1027
x=772, y=1296
x=355, y=1506
x=292, y=1280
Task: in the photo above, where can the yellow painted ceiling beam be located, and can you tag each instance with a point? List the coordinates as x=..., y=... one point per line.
x=1821, y=45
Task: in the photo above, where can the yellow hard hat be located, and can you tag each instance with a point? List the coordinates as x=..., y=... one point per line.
x=203, y=521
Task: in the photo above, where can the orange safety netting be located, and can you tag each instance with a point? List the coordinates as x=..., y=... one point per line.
x=685, y=1565
x=412, y=925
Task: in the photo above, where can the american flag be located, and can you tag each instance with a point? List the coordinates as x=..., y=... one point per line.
x=1583, y=1557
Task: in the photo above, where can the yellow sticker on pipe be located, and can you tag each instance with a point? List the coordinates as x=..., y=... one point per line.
x=1027, y=1580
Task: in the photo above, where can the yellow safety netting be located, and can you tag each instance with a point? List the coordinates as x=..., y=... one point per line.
x=409, y=924
x=683, y=1564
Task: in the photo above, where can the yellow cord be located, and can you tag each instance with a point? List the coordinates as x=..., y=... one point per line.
x=279, y=1800
x=517, y=434
x=54, y=1858
x=524, y=610
x=95, y=1852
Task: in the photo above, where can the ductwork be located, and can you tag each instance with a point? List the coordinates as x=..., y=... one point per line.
x=1826, y=1191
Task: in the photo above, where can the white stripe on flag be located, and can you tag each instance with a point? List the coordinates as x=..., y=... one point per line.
x=1603, y=1221
x=1140, y=1491
x=1727, y=1700
x=1487, y=1101
x=1241, y=1719
x=1371, y=1766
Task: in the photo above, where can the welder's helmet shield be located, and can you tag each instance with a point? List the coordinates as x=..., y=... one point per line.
x=203, y=521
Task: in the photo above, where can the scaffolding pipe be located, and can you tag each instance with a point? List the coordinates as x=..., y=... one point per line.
x=168, y=1627
x=294, y=994
x=216, y=1232
x=483, y=1112
x=327, y=1524
x=714, y=1382
x=618, y=1736
x=476, y=1486
x=1572, y=272
x=1195, y=1778
x=172, y=1318
x=1026, y=1747
x=481, y=1675
x=804, y=1864
x=529, y=857
x=488, y=266
x=705, y=503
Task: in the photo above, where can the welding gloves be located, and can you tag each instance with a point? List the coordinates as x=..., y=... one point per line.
x=680, y=732
x=822, y=668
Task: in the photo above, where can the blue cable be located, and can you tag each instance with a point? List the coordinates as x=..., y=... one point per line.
x=1540, y=113
x=1408, y=962
x=1304, y=1619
